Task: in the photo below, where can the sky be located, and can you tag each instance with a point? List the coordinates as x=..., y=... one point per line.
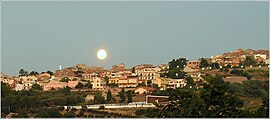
x=40, y=36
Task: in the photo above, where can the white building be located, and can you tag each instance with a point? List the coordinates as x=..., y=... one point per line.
x=25, y=86
x=149, y=73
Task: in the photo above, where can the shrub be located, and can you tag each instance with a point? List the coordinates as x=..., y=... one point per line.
x=73, y=109
x=101, y=107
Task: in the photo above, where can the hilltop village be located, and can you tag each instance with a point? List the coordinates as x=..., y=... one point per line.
x=144, y=75
x=142, y=83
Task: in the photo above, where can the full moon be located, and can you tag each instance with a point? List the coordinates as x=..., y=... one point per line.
x=101, y=54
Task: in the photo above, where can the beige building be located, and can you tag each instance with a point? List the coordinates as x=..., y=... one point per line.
x=177, y=83
x=131, y=81
x=89, y=76
x=192, y=66
x=54, y=84
x=144, y=90
x=161, y=82
x=98, y=83
x=114, y=80
x=72, y=84
x=24, y=86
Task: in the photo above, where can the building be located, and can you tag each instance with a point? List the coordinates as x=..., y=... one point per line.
x=24, y=86
x=8, y=80
x=177, y=83
x=130, y=81
x=233, y=61
x=260, y=58
x=89, y=98
x=140, y=67
x=197, y=76
x=44, y=75
x=89, y=76
x=68, y=72
x=193, y=65
x=28, y=79
x=163, y=67
x=98, y=83
x=114, y=80
x=54, y=84
x=117, y=74
x=72, y=84
x=119, y=67
x=148, y=73
x=144, y=90
x=161, y=82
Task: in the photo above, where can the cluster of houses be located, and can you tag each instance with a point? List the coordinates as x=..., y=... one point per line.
x=121, y=77
x=235, y=58
x=99, y=78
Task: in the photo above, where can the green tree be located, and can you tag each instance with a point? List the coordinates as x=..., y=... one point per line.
x=35, y=86
x=53, y=112
x=142, y=84
x=106, y=78
x=65, y=90
x=65, y=79
x=33, y=73
x=189, y=81
x=98, y=98
x=109, y=96
x=177, y=64
x=249, y=61
x=215, y=65
x=122, y=95
x=156, y=86
x=210, y=101
x=177, y=74
x=23, y=72
x=263, y=111
x=69, y=114
x=50, y=72
x=79, y=85
x=204, y=63
x=88, y=85
x=22, y=114
x=149, y=82
x=79, y=73
x=255, y=88
x=6, y=90
x=129, y=96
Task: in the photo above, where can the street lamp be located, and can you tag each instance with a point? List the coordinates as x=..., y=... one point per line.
x=176, y=74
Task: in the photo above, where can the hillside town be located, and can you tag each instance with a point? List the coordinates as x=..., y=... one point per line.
x=147, y=75
x=144, y=79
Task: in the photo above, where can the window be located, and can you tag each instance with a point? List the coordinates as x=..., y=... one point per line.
x=97, y=84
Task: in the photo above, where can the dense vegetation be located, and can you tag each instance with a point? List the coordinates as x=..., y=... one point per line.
x=216, y=99
x=33, y=100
